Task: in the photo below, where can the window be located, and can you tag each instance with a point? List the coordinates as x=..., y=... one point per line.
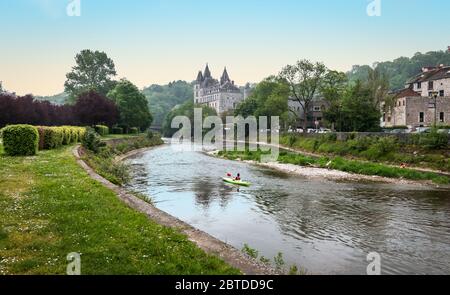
x=404, y=103
x=421, y=117
x=384, y=117
x=430, y=85
x=316, y=109
x=419, y=85
x=441, y=117
x=441, y=93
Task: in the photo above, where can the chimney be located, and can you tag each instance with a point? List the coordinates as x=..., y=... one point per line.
x=448, y=49
x=232, y=82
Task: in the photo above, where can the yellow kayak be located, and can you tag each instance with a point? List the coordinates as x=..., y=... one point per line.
x=236, y=182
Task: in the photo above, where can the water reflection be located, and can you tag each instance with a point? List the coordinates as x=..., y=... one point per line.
x=325, y=226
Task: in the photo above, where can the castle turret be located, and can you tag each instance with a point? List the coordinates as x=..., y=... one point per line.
x=199, y=77
x=207, y=73
x=225, y=77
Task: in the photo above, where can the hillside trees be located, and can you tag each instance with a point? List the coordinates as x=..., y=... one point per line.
x=132, y=105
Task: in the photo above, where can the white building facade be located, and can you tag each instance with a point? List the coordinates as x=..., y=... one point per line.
x=223, y=95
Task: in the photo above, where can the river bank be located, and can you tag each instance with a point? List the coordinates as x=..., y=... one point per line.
x=317, y=173
x=339, y=167
x=204, y=241
x=51, y=207
x=323, y=225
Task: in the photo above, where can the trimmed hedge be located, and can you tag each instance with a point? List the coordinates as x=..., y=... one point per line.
x=134, y=130
x=117, y=130
x=102, y=130
x=20, y=140
x=55, y=137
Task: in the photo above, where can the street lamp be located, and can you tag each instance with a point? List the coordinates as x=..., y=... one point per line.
x=435, y=95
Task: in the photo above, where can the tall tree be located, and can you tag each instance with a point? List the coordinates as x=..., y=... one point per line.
x=94, y=108
x=355, y=110
x=132, y=104
x=94, y=70
x=378, y=84
x=305, y=80
x=269, y=98
x=333, y=89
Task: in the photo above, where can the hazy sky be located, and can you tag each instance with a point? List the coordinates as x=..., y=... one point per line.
x=157, y=41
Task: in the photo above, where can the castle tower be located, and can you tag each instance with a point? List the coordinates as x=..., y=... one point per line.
x=207, y=74
x=225, y=77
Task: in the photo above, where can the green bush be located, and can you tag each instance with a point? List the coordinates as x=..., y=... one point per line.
x=67, y=135
x=20, y=140
x=50, y=137
x=102, y=130
x=55, y=137
x=150, y=134
x=434, y=140
x=81, y=133
x=73, y=134
x=92, y=141
x=134, y=130
x=117, y=130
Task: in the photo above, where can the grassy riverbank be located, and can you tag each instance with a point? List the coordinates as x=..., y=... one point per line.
x=341, y=164
x=422, y=150
x=50, y=207
x=104, y=162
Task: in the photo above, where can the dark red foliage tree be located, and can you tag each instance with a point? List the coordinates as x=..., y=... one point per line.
x=93, y=108
x=26, y=110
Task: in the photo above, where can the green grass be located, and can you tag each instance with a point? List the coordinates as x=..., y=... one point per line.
x=342, y=164
x=382, y=150
x=119, y=136
x=50, y=207
x=104, y=162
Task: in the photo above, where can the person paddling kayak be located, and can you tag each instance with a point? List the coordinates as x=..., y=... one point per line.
x=236, y=180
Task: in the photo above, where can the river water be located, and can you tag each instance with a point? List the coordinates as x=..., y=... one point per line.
x=323, y=226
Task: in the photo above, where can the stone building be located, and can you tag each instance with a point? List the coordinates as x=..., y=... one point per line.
x=315, y=112
x=223, y=95
x=424, y=102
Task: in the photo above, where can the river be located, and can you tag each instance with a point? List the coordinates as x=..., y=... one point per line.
x=323, y=226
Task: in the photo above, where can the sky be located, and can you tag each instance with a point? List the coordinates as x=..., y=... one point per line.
x=158, y=41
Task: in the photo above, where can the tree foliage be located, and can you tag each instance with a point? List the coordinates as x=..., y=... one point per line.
x=94, y=70
x=163, y=99
x=305, y=80
x=187, y=110
x=400, y=70
x=132, y=104
x=94, y=108
x=26, y=110
x=269, y=98
x=356, y=110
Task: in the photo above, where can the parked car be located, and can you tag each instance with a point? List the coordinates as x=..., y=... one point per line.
x=423, y=130
x=444, y=131
x=324, y=130
x=399, y=131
